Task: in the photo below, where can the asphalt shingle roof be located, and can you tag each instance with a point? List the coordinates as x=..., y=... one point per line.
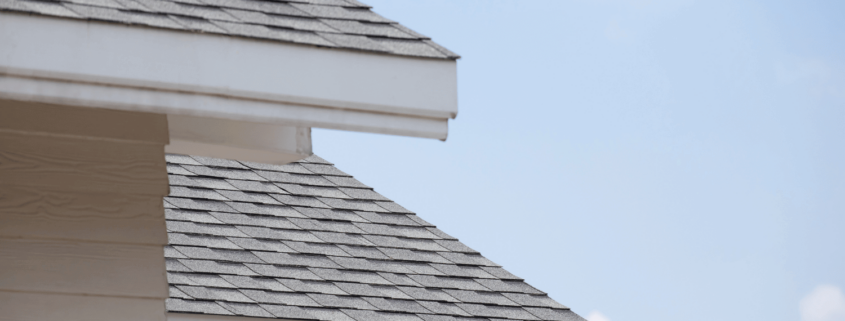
x=346, y=24
x=254, y=240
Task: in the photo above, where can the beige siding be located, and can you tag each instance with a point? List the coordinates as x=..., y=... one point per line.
x=81, y=216
x=23, y=306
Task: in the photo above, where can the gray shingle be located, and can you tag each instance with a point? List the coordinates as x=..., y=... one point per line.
x=324, y=287
x=342, y=238
x=363, y=251
x=316, y=248
x=190, y=216
x=255, y=186
x=480, y=297
x=218, y=162
x=255, y=220
x=217, y=267
x=299, y=200
x=534, y=300
x=440, y=233
x=290, y=272
x=455, y=246
x=208, y=229
x=175, y=293
x=322, y=191
x=335, y=301
x=357, y=205
x=209, y=280
x=447, y=282
x=276, y=234
x=265, y=209
x=397, y=305
x=554, y=314
x=178, y=170
x=349, y=276
x=202, y=193
x=363, y=194
x=287, y=168
x=261, y=245
x=368, y=29
x=229, y=173
x=288, y=312
x=444, y=308
x=410, y=255
x=340, y=12
x=38, y=7
x=462, y=271
x=199, y=204
x=417, y=244
x=245, y=282
x=509, y=286
x=175, y=265
x=250, y=310
x=328, y=314
x=262, y=6
x=394, y=208
x=324, y=169
x=391, y=292
x=315, y=159
x=345, y=181
x=394, y=219
x=280, y=177
x=179, y=305
x=170, y=252
x=410, y=47
x=399, y=279
x=500, y=273
x=469, y=259
x=205, y=293
x=286, y=298
x=297, y=260
x=181, y=159
x=196, y=24
x=497, y=311
x=358, y=289
x=371, y=265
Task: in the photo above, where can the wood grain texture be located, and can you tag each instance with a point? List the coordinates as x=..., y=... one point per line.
x=57, y=266
x=104, y=217
x=83, y=121
x=82, y=164
x=23, y=306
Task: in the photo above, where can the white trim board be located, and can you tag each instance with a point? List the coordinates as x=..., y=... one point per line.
x=95, y=64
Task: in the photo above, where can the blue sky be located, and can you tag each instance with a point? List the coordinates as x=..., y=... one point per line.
x=651, y=160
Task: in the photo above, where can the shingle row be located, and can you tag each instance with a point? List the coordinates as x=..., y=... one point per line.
x=327, y=23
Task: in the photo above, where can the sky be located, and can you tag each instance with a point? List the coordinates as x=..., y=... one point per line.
x=637, y=160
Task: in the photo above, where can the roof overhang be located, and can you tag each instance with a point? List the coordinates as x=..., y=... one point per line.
x=195, y=75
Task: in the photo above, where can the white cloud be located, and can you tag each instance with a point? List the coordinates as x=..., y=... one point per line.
x=597, y=316
x=824, y=303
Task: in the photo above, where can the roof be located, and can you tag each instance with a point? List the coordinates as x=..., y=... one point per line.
x=308, y=241
x=346, y=24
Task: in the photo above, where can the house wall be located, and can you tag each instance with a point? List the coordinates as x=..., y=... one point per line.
x=82, y=224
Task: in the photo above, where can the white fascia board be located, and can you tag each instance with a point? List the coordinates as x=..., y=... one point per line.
x=115, y=66
x=208, y=317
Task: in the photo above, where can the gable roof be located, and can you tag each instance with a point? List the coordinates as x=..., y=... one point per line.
x=308, y=241
x=346, y=24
